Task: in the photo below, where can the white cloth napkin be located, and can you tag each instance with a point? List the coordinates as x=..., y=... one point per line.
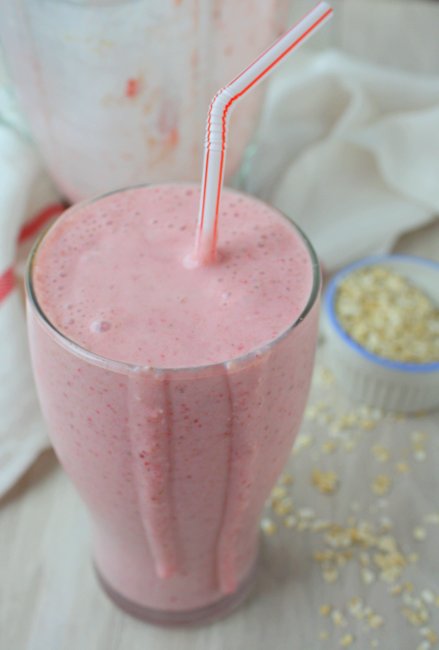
x=25, y=189
x=350, y=151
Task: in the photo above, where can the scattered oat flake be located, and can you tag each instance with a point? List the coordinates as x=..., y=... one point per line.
x=419, y=533
x=327, y=555
x=320, y=524
x=268, y=526
x=424, y=645
x=367, y=425
x=338, y=619
x=427, y=596
x=323, y=636
x=375, y=621
x=413, y=601
x=283, y=507
x=430, y=635
x=348, y=420
x=310, y=413
x=325, y=610
x=346, y=640
x=390, y=575
x=330, y=575
x=306, y=513
x=354, y=604
x=418, y=437
x=367, y=576
x=381, y=453
x=381, y=484
x=325, y=376
x=411, y=616
x=302, y=442
x=387, y=543
x=287, y=479
x=278, y=492
x=396, y=590
x=386, y=523
x=290, y=521
x=391, y=564
x=402, y=467
x=329, y=447
x=415, y=617
x=424, y=615
x=325, y=482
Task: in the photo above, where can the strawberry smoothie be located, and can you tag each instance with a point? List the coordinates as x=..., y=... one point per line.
x=116, y=91
x=172, y=392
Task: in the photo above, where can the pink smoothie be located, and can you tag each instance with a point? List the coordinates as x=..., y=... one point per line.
x=176, y=409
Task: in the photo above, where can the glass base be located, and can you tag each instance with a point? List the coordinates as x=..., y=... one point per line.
x=199, y=616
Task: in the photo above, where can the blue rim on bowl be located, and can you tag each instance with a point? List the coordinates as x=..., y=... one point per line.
x=329, y=306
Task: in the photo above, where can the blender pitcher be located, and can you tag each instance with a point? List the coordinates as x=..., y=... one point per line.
x=116, y=91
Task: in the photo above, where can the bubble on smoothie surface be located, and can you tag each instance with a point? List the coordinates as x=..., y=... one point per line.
x=99, y=326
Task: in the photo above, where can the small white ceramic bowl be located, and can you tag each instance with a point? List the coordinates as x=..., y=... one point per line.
x=373, y=380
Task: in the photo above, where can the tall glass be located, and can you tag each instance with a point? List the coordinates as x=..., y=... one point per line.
x=174, y=465
x=116, y=91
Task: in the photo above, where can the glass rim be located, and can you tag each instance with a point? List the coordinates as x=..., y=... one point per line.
x=125, y=367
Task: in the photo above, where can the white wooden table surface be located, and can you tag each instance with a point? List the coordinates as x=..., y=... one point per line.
x=49, y=599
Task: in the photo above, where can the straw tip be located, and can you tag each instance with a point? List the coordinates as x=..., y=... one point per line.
x=190, y=261
x=326, y=7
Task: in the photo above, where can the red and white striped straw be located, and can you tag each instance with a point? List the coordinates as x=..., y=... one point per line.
x=217, y=123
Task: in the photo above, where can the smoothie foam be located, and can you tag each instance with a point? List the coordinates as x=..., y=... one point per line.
x=121, y=285
x=174, y=465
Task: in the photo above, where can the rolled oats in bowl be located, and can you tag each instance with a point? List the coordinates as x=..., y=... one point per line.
x=381, y=318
